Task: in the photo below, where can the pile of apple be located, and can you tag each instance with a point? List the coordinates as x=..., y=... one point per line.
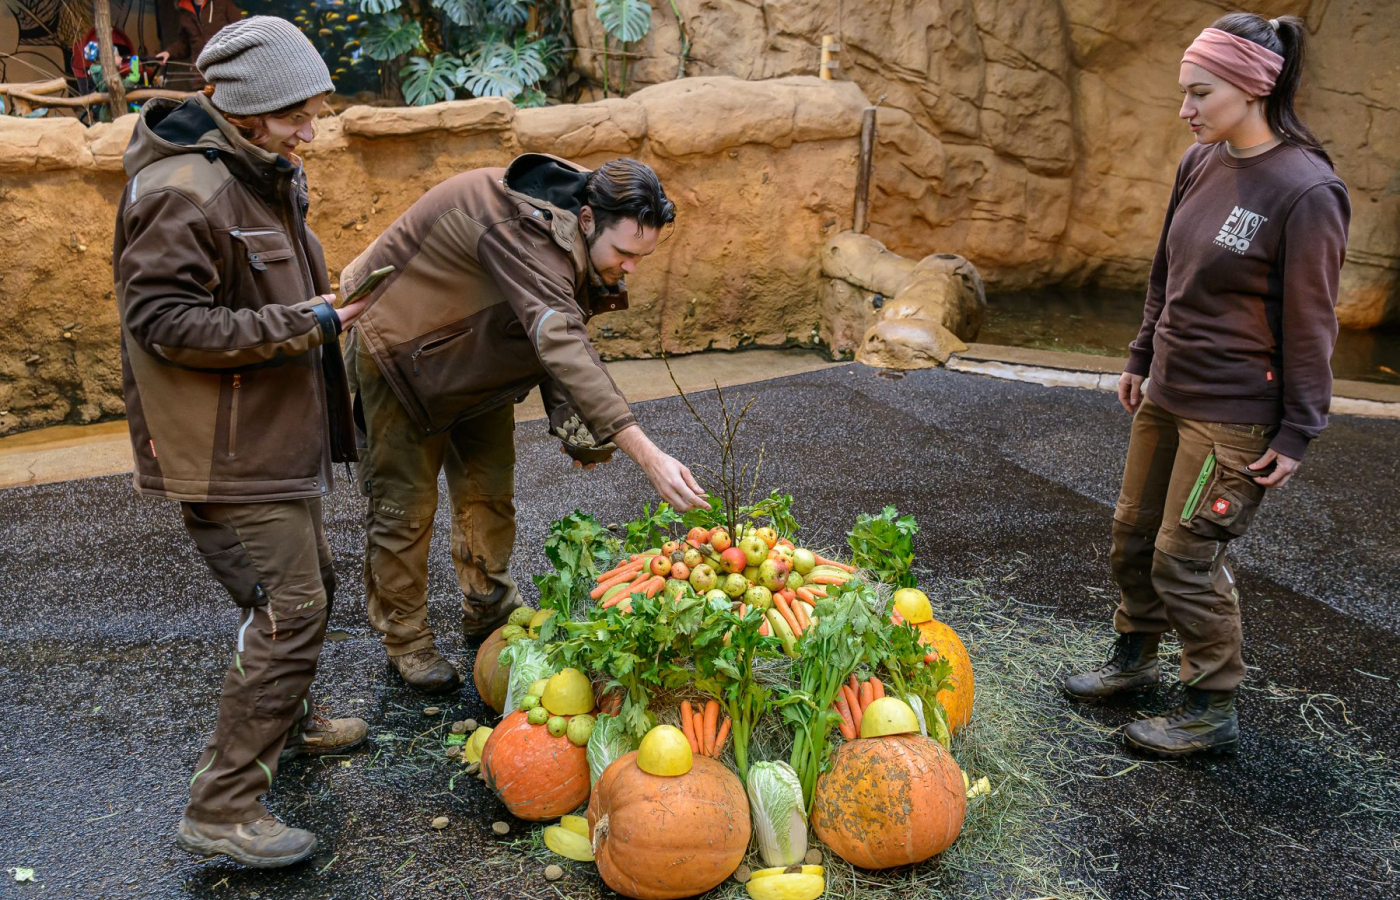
x=751, y=573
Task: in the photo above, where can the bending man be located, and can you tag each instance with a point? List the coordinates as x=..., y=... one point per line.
x=497, y=271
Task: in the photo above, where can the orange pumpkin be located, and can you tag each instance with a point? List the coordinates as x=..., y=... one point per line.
x=889, y=801
x=537, y=776
x=957, y=701
x=656, y=838
x=491, y=678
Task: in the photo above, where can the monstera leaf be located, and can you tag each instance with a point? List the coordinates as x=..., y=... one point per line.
x=391, y=36
x=626, y=20
x=429, y=81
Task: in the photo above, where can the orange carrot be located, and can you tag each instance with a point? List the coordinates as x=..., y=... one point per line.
x=700, y=741
x=654, y=586
x=842, y=566
x=764, y=628
x=801, y=613
x=688, y=726
x=604, y=586
x=781, y=606
x=722, y=739
x=855, y=685
x=805, y=594
x=896, y=618
x=930, y=657
x=866, y=696
x=711, y=727
x=614, y=600
x=816, y=590
x=625, y=607
x=827, y=579
x=743, y=609
x=848, y=725
x=878, y=687
x=857, y=714
x=632, y=565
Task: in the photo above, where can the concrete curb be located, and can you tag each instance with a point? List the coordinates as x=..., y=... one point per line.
x=1100, y=373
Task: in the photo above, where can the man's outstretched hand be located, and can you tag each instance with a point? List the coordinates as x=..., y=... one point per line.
x=671, y=480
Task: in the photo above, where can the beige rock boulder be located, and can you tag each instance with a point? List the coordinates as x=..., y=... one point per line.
x=456, y=116
x=107, y=142
x=570, y=131
x=41, y=145
x=908, y=343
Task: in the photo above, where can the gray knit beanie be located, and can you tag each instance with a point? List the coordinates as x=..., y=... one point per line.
x=262, y=64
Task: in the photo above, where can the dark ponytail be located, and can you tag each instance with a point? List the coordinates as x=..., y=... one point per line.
x=1289, y=42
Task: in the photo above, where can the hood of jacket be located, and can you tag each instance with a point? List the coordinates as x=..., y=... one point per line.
x=169, y=128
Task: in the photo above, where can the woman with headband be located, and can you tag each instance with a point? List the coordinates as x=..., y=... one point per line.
x=1228, y=379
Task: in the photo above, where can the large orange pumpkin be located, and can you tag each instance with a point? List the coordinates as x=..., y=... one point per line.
x=491, y=678
x=889, y=801
x=957, y=701
x=537, y=776
x=656, y=838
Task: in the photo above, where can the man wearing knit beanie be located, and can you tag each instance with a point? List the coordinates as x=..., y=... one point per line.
x=262, y=64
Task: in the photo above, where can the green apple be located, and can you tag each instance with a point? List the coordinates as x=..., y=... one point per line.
x=674, y=589
x=754, y=547
x=758, y=596
x=557, y=725
x=703, y=578
x=803, y=560
x=692, y=558
x=716, y=594
x=734, y=585
x=773, y=574
x=795, y=581
x=751, y=573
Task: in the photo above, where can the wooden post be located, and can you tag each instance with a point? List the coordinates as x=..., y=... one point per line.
x=867, y=162
x=830, y=64
x=107, y=55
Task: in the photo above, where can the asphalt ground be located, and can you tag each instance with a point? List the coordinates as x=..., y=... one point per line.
x=115, y=640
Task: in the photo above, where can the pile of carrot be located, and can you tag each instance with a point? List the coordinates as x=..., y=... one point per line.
x=852, y=702
x=703, y=729
x=637, y=578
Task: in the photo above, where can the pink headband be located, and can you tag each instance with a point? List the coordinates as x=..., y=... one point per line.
x=1248, y=66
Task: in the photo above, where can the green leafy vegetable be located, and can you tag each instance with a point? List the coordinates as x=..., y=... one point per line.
x=884, y=544
x=579, y=548
x=724, y=670
x=775, y=798
x=650, y=529
x=608, y=741
x=528, y=663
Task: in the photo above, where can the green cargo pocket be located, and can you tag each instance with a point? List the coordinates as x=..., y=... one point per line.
x=227, y=558
x=1224, y=501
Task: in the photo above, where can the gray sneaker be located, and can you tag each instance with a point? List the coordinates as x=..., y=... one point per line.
x=266, y=843
x=1131, y=667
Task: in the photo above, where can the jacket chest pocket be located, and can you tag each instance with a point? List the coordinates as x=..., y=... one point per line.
x=263, y=247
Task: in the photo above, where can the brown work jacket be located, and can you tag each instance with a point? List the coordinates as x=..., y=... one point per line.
x=235, y=389
x=490, y=296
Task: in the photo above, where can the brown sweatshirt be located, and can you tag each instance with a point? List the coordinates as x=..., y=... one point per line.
x=1240, y=317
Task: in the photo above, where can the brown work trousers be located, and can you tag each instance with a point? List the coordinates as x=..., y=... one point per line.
x=1185, y=496
x=274, y=560
x=398, y=471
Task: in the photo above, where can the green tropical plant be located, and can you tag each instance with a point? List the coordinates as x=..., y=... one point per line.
x=627, y=21
x=482, y=48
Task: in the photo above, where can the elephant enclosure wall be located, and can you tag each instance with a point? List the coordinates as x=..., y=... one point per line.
x=761, y=173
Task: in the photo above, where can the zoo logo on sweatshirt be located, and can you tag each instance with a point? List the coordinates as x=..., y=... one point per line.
x=1239, y=229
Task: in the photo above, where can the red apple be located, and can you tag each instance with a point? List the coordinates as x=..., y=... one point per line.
x=733, y=560
x=720, y=540
x=660, y=565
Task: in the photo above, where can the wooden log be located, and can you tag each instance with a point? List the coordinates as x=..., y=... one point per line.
x=867, y=164
x=111, y=71
x=52, y=86
x=94, y=99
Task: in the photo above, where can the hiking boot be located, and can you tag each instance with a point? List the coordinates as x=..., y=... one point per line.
x=325, y=736
x=263, y=844
x=1205, y=722
x=1131, y=667
x=427, y=671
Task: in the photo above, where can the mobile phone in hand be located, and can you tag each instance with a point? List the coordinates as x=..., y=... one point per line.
x=370, y=282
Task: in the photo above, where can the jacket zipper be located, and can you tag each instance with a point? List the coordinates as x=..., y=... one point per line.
x=433, y=346
x=233, y=415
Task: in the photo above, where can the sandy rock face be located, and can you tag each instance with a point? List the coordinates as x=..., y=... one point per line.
x=761, y=174
x=1039, y=139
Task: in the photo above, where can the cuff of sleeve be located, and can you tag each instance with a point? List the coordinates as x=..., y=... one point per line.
x=1290, y=443
x=327, y=319
x=1139, y=362
x=605, y=433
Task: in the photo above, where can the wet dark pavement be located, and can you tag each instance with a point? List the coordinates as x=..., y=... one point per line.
x=115, y=640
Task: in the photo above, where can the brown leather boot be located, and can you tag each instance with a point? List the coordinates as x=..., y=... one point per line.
x=425, y=670
x=266, y=843
x=1131, y=666
x=325, y=736
x=1205, y=722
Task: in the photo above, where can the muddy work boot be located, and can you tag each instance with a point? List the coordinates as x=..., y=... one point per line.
x=325, y=736
x=1131, y=667
x=1205, y=722
x=263, y=844
x=481, y=616
x=427, y=671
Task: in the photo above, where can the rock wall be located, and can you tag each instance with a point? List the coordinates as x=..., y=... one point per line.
x=761, y=175
x=1039, y=138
